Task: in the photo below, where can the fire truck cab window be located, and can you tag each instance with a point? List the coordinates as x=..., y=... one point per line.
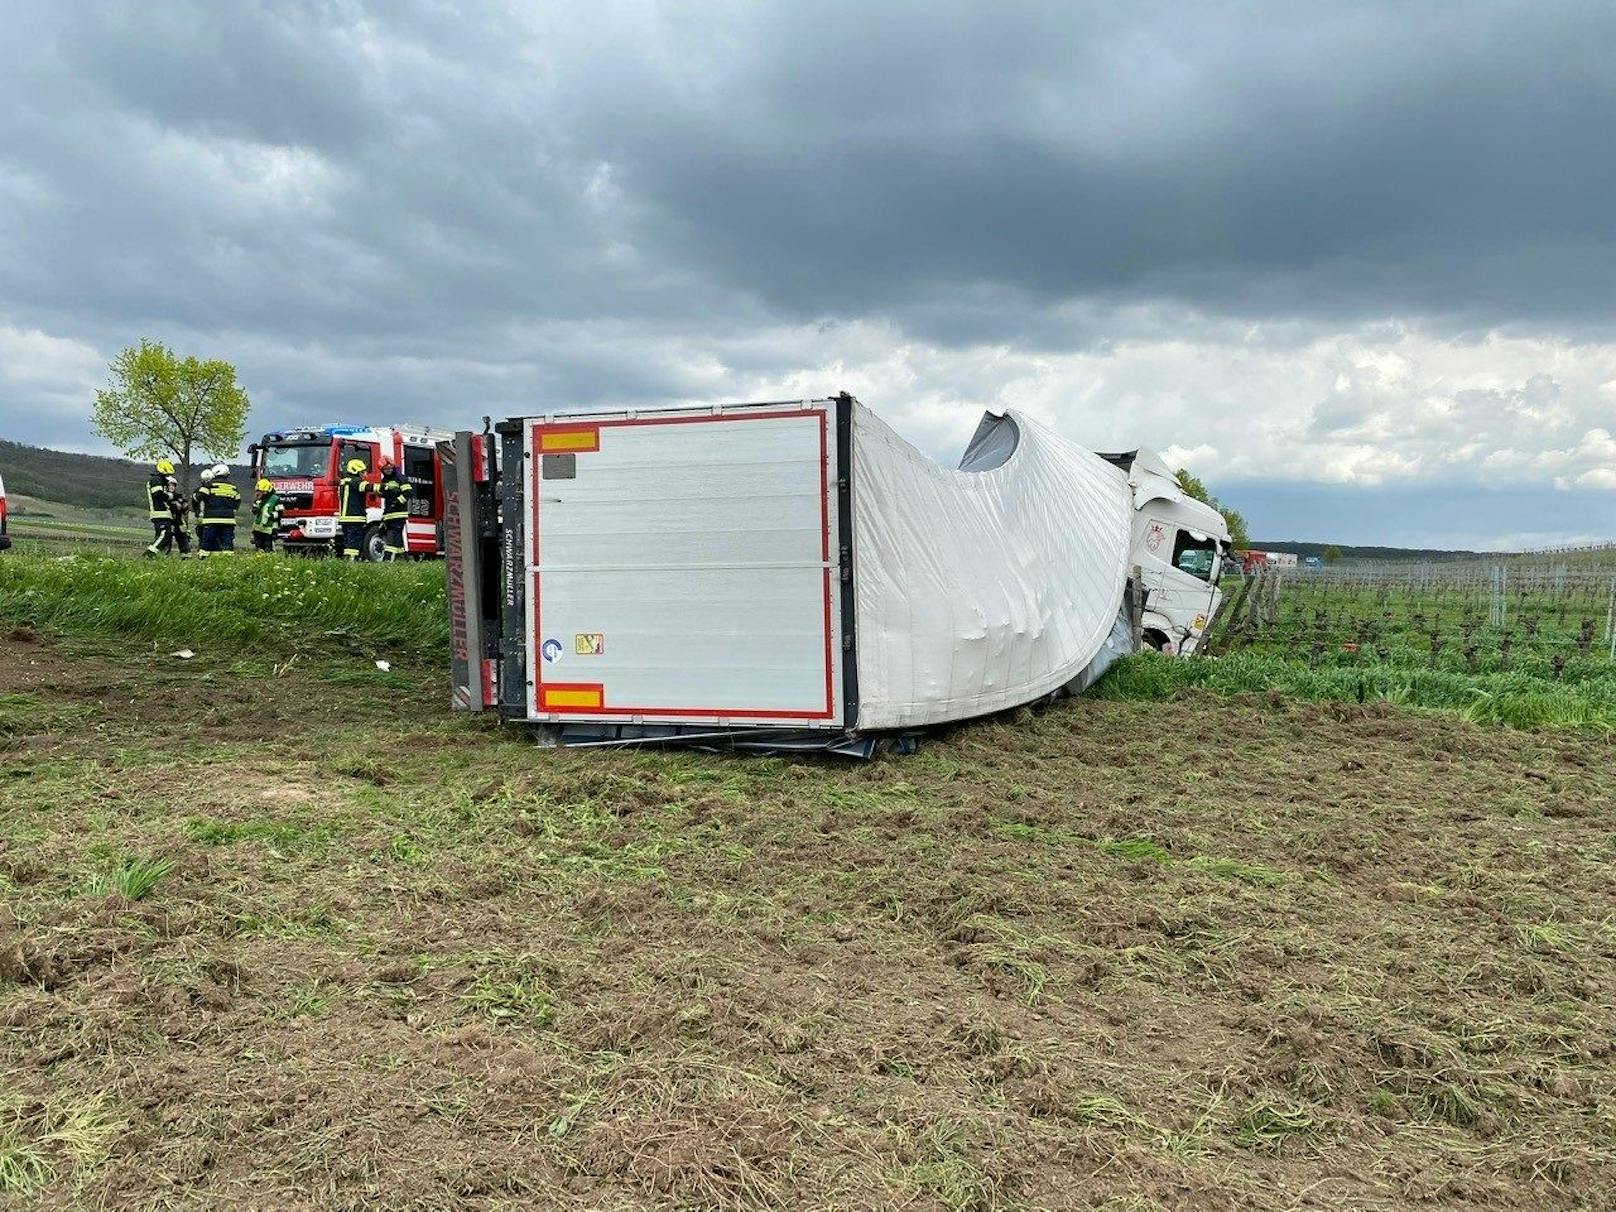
x=355, y=450
x=1198, y=557
x=299, y=460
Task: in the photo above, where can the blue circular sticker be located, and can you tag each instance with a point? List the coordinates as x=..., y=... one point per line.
x=551, y=650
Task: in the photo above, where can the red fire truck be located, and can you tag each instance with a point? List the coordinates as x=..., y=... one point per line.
x=5, y=539
x=303, y=462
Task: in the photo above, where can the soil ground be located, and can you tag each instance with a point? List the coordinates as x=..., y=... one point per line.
x=1214, y=953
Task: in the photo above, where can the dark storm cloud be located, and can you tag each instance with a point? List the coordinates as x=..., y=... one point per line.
x=295, y=169
x=1262, y=160
x=418, y=204
x=409, y=167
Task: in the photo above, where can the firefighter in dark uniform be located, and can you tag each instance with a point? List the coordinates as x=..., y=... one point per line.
x=199, y=510
x=197, y=497
x=266, y=517
x=352, y=488
x=159, y=499
x=395, y=490
x=220, y=501
x=179, y=508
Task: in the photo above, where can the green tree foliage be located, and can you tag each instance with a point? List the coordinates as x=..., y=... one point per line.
x=1332, y=554
x=158, y=403
x=1192, y=486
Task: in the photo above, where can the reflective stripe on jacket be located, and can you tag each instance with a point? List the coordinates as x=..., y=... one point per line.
x=157, y=500
x=351, y=491
x=220, y=501
x=395, y=497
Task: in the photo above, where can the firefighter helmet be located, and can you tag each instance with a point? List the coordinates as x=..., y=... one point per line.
x=165, y=467
x=387, y=460
x=220, y=471
x=207, y=474
x=355, y=466
x=264, y=486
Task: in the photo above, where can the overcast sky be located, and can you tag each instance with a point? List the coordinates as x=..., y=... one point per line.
x=1355, y=264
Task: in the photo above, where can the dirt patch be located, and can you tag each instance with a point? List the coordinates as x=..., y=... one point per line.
x=164, y=696
x=1206, y=954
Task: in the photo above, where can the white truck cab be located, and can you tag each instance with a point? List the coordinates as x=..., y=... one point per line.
x=1178, y=544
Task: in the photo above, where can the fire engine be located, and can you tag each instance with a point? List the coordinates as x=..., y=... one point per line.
x=303, y=462
x=5, y=539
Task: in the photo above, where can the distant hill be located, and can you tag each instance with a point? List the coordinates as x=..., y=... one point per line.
x=88, y=481
x=1369, y=553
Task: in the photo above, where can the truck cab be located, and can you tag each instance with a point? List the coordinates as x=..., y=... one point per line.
x=1179, y=545
x=305, y=462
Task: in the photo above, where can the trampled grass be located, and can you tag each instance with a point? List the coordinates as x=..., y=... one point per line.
x=40, y=1142
x=235, y=603
x=1198, y=953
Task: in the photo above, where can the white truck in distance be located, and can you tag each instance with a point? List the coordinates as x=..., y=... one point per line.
x=1178, y=545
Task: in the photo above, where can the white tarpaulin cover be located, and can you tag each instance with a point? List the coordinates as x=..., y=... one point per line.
x=977, y=591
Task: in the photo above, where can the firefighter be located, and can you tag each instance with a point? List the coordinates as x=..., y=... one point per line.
x=220, y=501
x=352, y=488
x=159, y=499
x=204, y=480
x=395, y=491
x=198, y=505
x=267, y=510
x=179, y=509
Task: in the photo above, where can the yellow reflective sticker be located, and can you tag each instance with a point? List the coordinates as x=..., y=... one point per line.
x=569, y=439
x=554, y=697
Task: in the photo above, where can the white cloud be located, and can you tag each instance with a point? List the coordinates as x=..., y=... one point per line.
x=1424, y=408
x=50, y=371
x=47, y=383
x=439, y=212
x=1343, y=408
x=1597, y=477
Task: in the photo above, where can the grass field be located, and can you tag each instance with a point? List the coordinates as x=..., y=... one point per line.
x=1583, y=696
x=37, y=525
x=279, y=930
x=272, y=604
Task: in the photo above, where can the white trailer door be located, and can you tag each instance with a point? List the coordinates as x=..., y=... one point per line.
x=684, y=567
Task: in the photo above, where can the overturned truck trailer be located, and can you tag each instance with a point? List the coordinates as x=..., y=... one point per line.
x=782, y=575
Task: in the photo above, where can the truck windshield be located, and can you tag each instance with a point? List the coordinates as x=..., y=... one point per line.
x=1198, y=557
x=297, y=459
